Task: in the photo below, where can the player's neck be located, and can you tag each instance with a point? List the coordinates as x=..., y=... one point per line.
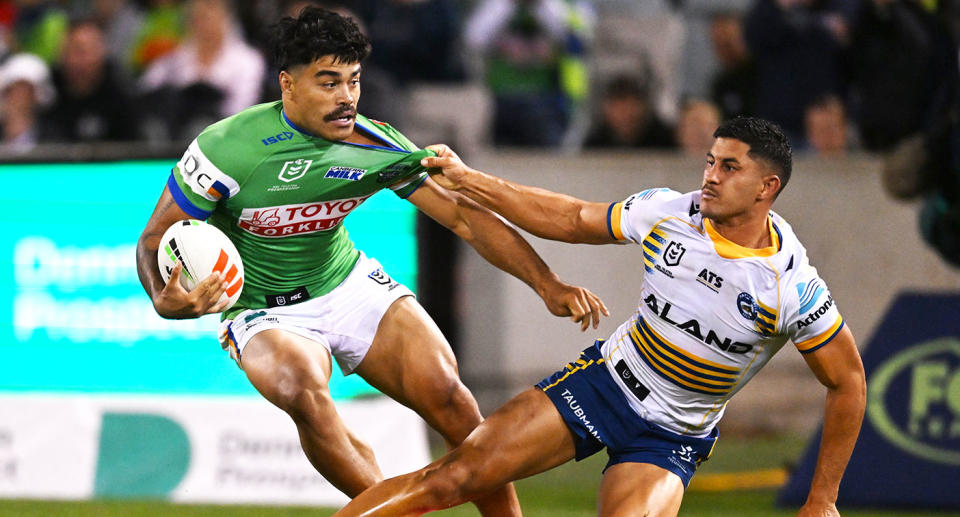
x=747, y=230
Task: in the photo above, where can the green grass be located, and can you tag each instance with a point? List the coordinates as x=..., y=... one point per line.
x=567, y=491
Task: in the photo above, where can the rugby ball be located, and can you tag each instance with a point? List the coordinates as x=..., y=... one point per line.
x=203, y=249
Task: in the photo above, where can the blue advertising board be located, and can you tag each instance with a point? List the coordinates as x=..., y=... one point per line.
x=908, y=453
x=73, y=316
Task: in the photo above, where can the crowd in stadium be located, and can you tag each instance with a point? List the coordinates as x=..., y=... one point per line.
x=831, y=72
x=837, y=75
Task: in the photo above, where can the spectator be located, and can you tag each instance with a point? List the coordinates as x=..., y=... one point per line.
x=40, y=27
x=161, y=32
x=211, y=75
x=415, y=40
x=797, y=46
x=733, y=87
x=904, y=67
x=24, y=90
x=92, y=104
x=533, y=51
x=121, y=21
x=627, y=118
x=826, y=126
x=698, y=120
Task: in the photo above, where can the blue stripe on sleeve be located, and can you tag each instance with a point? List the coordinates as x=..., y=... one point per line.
x=610, y=222
x=184, y=203
x=829, y=339
x=422, y=180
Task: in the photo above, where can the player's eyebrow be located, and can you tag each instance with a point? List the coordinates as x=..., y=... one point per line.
x=336, y=75
x=732, y=161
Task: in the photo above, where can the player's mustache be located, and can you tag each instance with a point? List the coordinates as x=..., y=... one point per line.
x=339, y=112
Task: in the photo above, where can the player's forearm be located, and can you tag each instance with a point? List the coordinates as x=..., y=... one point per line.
x=503, y=246
x=147, y=267
x=546, y=214
x=843, y=414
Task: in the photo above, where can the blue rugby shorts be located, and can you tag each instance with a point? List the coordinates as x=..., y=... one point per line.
x=598, y=415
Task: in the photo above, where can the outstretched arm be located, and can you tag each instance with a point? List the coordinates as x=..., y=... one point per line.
x=541, y=212
x=502, y=246
x=838, y=367
x=171, y=300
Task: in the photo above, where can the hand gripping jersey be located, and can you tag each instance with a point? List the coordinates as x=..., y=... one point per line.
x=281, y=195
x=711, y=313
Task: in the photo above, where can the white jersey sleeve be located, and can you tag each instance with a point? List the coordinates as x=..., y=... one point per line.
x=814, y=319
x=632, y=218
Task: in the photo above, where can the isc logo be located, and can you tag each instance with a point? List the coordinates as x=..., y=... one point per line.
x=279, y=137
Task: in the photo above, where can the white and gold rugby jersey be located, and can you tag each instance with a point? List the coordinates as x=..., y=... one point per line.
x=711, y=313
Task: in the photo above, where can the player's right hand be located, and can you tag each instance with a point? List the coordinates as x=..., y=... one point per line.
x=446, y=168
x=175, y=302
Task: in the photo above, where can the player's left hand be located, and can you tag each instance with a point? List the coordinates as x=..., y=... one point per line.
x=818, y=510
x=446, y=168
x=579, y=304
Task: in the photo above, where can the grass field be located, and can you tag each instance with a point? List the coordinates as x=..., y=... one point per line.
x=568, y=491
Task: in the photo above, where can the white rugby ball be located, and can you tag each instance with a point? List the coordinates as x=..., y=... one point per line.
x=203, y=249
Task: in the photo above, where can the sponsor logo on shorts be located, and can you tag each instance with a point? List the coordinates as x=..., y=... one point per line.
x=380, y=277
x=685, y=454
x=580, y=414
x=250, y=317
x=298, y=219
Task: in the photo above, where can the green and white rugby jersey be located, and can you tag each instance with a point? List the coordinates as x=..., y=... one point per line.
x=281, y=195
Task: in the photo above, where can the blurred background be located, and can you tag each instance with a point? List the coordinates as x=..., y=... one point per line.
x=104, y=403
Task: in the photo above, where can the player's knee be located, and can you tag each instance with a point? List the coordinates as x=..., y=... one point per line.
x=300, y=396
x=450, y=397
x=449, y=484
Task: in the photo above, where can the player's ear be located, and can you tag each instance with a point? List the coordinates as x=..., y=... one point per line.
x=771, y=186
x=286, y=82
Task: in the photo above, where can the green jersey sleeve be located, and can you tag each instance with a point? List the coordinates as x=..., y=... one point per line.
x=410, y=172
x=197, y=185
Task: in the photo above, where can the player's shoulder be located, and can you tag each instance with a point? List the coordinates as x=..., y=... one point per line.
x=244, y=138
x=384, y=129
x=653, y=196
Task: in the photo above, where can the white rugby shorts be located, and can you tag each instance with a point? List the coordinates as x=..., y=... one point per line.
x=344, y=320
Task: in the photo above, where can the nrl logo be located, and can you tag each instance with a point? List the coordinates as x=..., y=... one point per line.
x=294, y=169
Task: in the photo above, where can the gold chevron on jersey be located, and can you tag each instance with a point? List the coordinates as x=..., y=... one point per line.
x=681, y=367
x=652, y=246
x=766, y=322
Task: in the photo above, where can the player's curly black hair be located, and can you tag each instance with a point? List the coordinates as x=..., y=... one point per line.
x=315, y=33
x=766, y=140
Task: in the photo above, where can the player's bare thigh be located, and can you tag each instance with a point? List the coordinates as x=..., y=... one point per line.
x=408, y=352
x=640, y=489
x=280, y=363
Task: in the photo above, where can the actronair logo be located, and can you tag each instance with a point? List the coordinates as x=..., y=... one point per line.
x=298, y=219
x=815, y=315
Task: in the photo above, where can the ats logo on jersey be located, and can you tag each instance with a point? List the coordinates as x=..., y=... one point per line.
x=710, y=279
x=673, y=253
x=345, y=173
x=294, y=169
x=299, y=219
